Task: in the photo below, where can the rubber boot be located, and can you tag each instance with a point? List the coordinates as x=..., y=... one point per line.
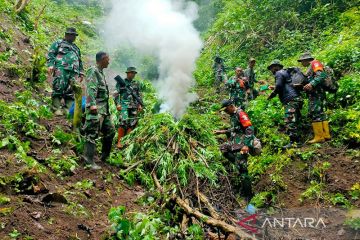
x=121, y=134
x=56, y=106
x=89, y=152
x=318, y=133
x=294, y=143
x=106, y=148
x=325, y=125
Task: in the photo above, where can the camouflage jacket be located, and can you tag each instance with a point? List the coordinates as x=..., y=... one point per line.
x=251, y=76
x=97, y=92
x=218, y=68
x=65, y=55
x=123, y=96
x=234, y=87
x=315, y=78
x=242, y=131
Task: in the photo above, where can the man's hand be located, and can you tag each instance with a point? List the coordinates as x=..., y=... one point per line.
x=245, y=150
x=93, y=109
x=140, y=108
x=271, y=87
x=118, y=107
x=51, y=71
x=262, y=82
x=308, y=87
x=81, y=77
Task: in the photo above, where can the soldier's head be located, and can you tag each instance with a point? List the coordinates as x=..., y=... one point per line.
x=71, y=34
x=239, y=71
x=130, y=73
x=218, y=59
x=305, y=59
x=102, y=59
x=275, y=66
x=228, y=106
x=252, y=62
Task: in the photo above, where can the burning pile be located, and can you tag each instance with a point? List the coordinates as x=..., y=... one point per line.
x=183, y=162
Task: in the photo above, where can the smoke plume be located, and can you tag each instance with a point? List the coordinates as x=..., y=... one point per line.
x=164, y=29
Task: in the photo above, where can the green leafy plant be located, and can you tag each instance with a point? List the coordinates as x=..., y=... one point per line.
x=353, y=223
x=355, y=191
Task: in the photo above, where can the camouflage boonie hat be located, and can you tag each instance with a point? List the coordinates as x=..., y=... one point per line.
x=276, y=62
x=72, y=31
x=131, y=69
x=306, y=56
x=225, y=104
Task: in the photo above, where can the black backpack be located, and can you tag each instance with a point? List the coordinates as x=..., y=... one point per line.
x=297, y=78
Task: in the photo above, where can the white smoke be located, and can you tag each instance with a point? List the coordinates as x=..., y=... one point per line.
x=163, y=28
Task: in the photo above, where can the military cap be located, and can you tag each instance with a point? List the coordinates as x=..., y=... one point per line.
x=225, y=104
x=131, y=69
x=276, y=62
x=252, y=60
x=72, y=31
x=306, y=56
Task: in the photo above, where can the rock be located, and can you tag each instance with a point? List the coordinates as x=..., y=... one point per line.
x=35, y=215
x=341, y=232
x=54, y=197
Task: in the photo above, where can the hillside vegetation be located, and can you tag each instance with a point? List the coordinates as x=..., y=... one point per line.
x=171, y=181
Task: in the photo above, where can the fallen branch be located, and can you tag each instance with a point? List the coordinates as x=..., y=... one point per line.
x=207, y=203
x=20, y=5
x=132, y=167
x=225, y=227
x=211, y=221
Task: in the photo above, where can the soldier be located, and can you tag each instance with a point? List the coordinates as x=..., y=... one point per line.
x=127, y=105
x=65, y=65
x=241, y=143
x=251, y=78
x=97, y=112
x=316, y=76
x=219, y=72
x=237, y=87
x=291, y=100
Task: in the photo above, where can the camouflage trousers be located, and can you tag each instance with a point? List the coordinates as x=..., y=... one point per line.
x=242, y=180
x=239, y=99
x=316, y=106
x=62, y=83
x=293, y=117
x=94, y=126
x=128, y=117
x=252, y=93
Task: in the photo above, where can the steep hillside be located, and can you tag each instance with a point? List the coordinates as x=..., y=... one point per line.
x=45, y=193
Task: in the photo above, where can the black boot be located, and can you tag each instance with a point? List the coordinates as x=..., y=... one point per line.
x=294, y=143
x=89, y=152
x=106, y=149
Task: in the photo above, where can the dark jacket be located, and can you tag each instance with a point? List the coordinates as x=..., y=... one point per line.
x=283, y=87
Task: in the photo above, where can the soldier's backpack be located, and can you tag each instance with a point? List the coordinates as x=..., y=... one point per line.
x=330, y=84
x=297, y=78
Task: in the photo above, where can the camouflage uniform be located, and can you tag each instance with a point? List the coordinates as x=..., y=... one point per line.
x=237, y=92
x=317, y=95
x=251, y=76
x=293, y=117
x=240, y=134
x=65, y=57
x=128, y=115
x=219, y=72
x=97, y=94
